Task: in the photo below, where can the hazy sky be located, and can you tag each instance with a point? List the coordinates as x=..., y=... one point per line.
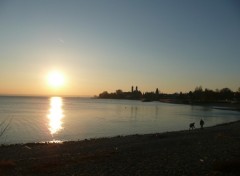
x=99, y=45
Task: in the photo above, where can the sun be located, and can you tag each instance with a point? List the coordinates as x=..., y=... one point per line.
x=55, y=79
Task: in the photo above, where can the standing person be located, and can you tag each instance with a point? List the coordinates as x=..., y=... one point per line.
x=201, y=123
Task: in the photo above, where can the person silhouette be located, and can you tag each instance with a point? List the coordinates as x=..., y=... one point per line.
x=201, y=123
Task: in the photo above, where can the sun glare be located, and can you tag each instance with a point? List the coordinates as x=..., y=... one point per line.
x=55, y=115
x=56, y=79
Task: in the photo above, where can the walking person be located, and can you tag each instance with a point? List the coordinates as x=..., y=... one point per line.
x=201, y=123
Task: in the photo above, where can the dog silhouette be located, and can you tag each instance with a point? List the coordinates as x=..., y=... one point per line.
x=191, y=126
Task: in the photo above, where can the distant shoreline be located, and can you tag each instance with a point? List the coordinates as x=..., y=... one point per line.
x=217, y=105
x=220, y=106
x=43, y=96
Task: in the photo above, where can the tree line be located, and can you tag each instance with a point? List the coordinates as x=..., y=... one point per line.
x=199, y=95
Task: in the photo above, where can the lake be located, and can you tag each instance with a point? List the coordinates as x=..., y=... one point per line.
x=41, y=119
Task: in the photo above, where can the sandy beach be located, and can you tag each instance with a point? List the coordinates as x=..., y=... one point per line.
x=211, y=151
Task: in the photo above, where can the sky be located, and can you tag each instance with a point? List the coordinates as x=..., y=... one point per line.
x=105, y=45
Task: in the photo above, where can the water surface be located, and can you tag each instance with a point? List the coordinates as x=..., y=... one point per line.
x=39, y=119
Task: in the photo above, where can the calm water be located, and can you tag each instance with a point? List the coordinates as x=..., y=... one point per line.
x=35, y=119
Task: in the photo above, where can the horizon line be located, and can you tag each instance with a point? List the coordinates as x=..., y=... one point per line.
x=46, y=96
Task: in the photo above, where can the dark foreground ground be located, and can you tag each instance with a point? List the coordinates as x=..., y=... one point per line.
x=211, y=151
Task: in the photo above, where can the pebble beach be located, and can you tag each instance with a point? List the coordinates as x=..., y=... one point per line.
x=209, y=151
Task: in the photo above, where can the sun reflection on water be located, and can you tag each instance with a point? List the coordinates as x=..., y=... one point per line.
x=55, y=115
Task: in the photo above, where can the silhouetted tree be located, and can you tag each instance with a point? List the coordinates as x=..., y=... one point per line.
x=156, y=95
x=237, y=95
x=190, y=96
x=119, y=93
x=198, y=89
x=105, y=94
x=197, y=94
x=209, y=96
x=226, y=94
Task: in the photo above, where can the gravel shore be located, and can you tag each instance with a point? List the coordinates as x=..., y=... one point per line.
x=211, y=151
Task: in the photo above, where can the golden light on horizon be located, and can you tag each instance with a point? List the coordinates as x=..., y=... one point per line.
x=55, y=115
x=56, y=79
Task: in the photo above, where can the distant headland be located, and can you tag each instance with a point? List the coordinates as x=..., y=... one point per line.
x=198, y=96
